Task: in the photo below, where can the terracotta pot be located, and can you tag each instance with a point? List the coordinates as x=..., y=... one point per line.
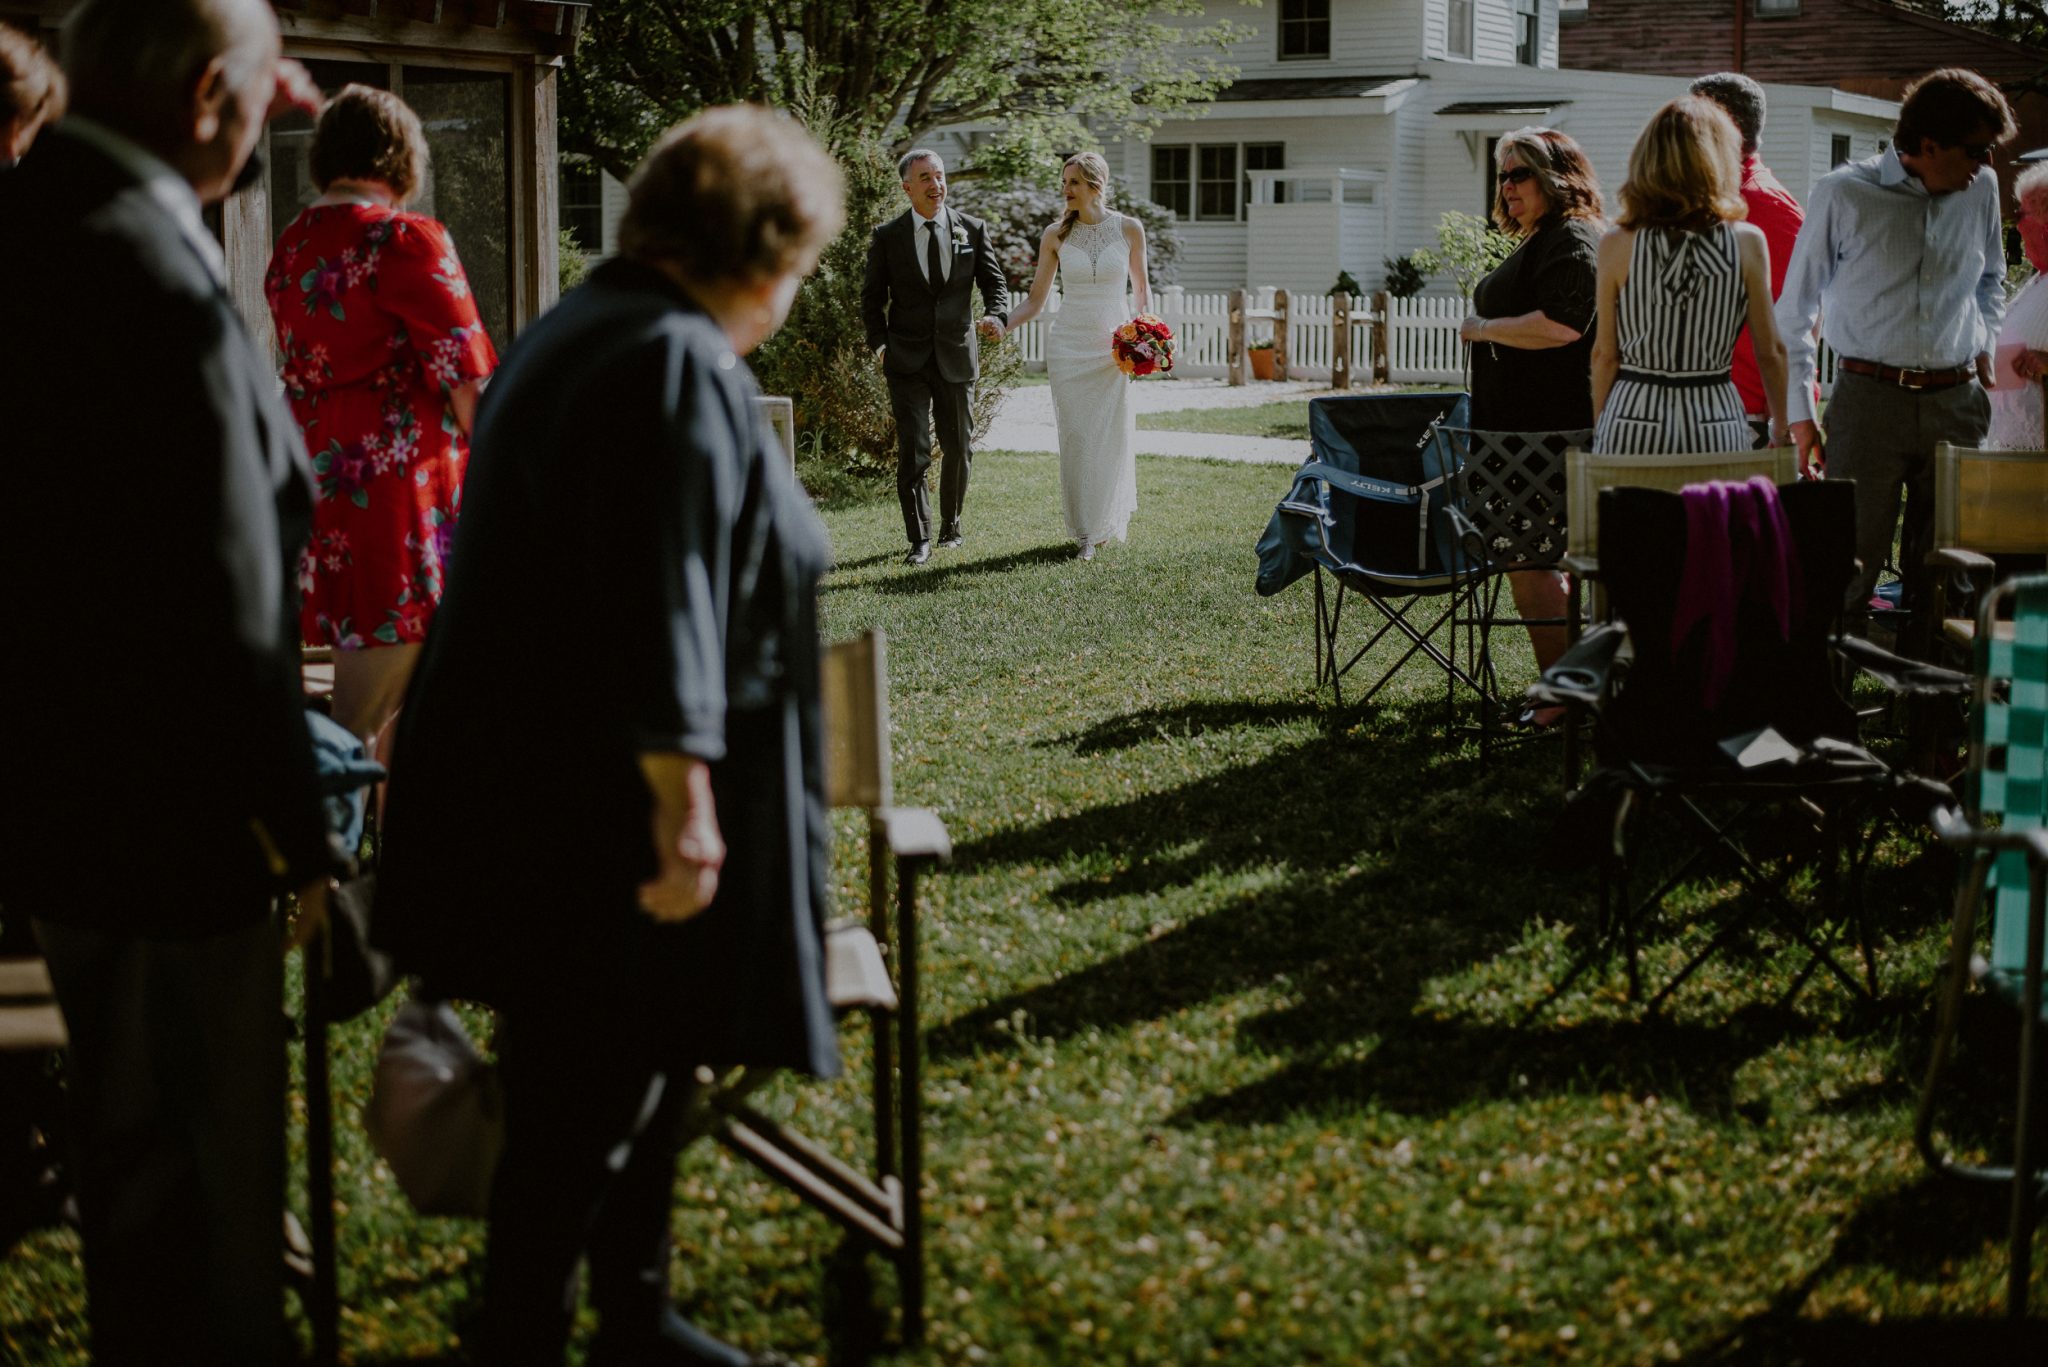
x=1262, y=363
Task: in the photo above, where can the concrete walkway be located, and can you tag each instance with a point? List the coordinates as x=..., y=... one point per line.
x=1025, y=422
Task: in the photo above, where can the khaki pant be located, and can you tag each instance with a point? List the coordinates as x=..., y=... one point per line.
x=369, y=685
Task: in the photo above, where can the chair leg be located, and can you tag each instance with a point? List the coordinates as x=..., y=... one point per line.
x=2024, y=1195
x=1962, y=939
x=878, y=1021
x=323, y=1301
x=911, y=1276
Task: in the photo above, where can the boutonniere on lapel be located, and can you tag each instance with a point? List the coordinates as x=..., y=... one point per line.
x=959, y=237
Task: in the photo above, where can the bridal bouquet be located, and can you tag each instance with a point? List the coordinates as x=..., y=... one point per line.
x=1143, y=345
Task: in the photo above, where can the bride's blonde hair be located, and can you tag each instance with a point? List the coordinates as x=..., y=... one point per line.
x=1095, y=171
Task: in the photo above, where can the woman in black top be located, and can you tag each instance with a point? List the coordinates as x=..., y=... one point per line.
x=1532, y=329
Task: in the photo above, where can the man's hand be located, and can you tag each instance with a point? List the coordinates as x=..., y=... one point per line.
x=297, y=91
x=688, y=848
x=1987, y=374
x=881, y=354
x=991, y=328
x=1813, y=455
x=2030, y=364
x=312, y=915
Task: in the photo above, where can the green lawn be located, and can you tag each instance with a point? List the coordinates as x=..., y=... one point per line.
x=1227, y=1052
x=1286, y=418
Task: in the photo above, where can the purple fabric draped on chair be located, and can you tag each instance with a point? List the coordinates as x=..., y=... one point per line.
x=1738, y=548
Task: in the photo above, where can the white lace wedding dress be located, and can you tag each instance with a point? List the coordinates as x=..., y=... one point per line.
x=1091, y=398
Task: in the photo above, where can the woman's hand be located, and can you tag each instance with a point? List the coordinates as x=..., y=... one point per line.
x=991, y=327
x=1469, y=330
x=688, y=849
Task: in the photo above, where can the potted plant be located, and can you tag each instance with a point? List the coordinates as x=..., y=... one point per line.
x=1261, y=353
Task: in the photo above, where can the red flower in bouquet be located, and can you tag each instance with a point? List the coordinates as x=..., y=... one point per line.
x=1143, y=346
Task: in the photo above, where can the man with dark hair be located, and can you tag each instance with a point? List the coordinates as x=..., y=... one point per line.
x=156, y=801
x=1771, y=208
x=1902, y=259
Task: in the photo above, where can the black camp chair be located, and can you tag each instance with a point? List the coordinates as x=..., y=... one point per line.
x=1510, y=515
x=1369, y=514
x=1660, y=746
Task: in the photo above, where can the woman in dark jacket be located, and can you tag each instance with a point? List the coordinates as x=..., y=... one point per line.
x=609, y=822
x=1531, y=329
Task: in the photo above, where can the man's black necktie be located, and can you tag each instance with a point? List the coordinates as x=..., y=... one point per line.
x=932, y=270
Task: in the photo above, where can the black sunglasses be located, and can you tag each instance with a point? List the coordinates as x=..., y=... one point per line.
x=1978, y=152
x=1514, y=175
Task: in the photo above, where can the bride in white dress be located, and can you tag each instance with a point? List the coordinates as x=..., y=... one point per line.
x=1098, y=254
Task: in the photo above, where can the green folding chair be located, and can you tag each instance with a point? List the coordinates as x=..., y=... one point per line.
x=2001, y=826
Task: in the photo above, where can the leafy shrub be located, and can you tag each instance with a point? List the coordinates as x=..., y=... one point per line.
x=1405, y=279
x=1467, y=247
x=1347, y=284
x=571, y=265
x=1019, y=212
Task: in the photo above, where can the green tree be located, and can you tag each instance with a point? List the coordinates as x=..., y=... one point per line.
x=1051, y=75
x=1467, y=247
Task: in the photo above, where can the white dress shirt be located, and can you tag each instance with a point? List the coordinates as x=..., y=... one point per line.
x=1897, y=275
x=925, y=228
x=169, y=189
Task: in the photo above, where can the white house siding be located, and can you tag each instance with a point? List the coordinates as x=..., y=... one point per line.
x=1366, y=36
x=1213, y=256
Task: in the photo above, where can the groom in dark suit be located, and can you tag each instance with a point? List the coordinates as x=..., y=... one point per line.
x=915, y=303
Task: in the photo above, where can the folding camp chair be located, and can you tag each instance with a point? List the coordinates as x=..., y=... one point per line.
x=870, y=967
x=1510, y=516
x=1368, y=513
x=1988, y=505
x=1589, y=472
x=1661, y=744
x=2007, y=784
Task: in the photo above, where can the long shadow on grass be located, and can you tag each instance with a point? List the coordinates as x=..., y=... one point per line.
x=1374, y=867
x=932, y=579
x=1422, y=1066
x=1180, y=723
x=1918, y=1232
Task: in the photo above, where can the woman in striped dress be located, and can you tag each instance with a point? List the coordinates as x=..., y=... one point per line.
x=1679, y=275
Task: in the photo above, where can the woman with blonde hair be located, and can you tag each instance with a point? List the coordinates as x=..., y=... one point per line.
x=1679, y=275
x=1098, y=255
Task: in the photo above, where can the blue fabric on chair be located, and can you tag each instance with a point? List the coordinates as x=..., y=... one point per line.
x=345, y=770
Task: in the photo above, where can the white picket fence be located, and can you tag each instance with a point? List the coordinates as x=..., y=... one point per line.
x=1422, y=335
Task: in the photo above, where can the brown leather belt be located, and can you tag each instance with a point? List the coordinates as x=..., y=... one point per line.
x=1908, y=379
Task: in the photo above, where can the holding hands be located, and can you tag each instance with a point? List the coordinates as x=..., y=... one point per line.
x=990, y=327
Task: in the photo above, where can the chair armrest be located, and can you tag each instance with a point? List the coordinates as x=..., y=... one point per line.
x=1585, y=566
x=914, y=833
x=1467, y=532
x=1911, y=678
x=1586, y=671
x=1956, y=558
x=1955, y=829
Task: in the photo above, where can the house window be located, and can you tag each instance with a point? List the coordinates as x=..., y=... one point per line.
x=1216, y=183
x=1304, y=28
x=1458, y=31
x=583, y=204
x=1173, y=180
x=1838, y=149
x=1528, y=33
x=1265, y=156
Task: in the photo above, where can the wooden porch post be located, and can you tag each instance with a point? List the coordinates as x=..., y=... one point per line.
x=1234, y=359
x=1382, y=362
x=1340, y=341
x=1280, y=335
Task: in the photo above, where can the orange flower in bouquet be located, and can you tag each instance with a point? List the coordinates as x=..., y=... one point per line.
x=1143, y=346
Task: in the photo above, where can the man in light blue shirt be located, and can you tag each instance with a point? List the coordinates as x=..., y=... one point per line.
x=1902, y=260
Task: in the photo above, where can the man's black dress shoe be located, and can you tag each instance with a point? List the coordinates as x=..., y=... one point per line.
x=949, y=541
x=919, y=553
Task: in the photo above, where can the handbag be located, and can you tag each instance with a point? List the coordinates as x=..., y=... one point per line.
x=436, y=1113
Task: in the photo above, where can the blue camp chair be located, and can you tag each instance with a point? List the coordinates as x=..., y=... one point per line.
x=1369, y=515
x=2001, y=826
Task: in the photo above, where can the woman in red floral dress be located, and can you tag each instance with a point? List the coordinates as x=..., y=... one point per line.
x=383, y=358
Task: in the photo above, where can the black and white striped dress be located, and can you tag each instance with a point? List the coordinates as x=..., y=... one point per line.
x=1678, y=315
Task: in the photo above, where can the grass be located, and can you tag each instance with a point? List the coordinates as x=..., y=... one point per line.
x=1284, y=418
x=1227, y=1051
